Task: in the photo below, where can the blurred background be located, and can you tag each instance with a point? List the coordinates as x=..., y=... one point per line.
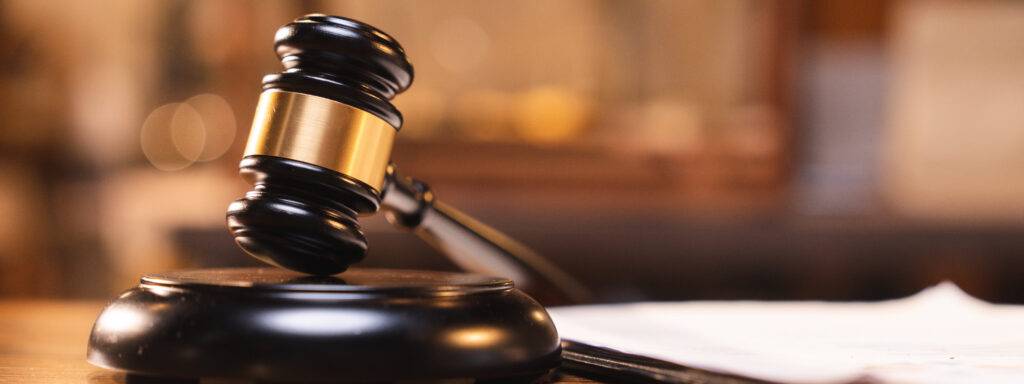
x=658, y=150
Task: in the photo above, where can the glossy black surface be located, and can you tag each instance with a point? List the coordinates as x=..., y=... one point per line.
x=383, y=282
x=363, y=325
x=300, y=216
x=344, y=60
x=304, y=217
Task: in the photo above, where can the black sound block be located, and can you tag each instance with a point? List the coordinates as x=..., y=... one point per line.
x=273, y=325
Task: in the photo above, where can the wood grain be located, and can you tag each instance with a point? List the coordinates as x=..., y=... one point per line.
x=45, y=341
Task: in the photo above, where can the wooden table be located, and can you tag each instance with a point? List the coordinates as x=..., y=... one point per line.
x=45, y=342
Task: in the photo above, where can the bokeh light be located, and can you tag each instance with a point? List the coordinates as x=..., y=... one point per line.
x=218, y=122
x=551, y=115
x=161, y=144
x=177, y=135
x=187, y=132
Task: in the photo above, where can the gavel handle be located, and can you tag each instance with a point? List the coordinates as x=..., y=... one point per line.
x=474, y=246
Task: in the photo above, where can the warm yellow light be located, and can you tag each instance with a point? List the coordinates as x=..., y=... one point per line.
x=552, y=115
x=188, y=133
x=161, y=144
x=218, y=122
x=476, y=337
x=176, y=135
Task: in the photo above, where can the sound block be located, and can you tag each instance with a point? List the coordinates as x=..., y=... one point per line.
x=273, y=325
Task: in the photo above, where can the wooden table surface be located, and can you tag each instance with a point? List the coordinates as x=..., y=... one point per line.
x=45, y=342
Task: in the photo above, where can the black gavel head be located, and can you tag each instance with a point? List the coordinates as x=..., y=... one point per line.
x=320, y=144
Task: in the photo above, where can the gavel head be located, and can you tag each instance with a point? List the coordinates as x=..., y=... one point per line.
x=320, y=144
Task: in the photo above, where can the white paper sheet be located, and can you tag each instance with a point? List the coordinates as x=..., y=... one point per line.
x=940, y=335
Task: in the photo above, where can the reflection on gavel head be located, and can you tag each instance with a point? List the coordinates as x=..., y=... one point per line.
x=320, y=144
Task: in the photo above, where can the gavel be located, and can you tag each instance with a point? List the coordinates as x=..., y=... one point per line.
x=318, y=156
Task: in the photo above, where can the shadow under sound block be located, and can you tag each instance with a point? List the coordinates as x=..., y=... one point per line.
x=272, y=325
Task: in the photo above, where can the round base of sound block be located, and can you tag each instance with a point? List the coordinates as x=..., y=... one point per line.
x=273, y=325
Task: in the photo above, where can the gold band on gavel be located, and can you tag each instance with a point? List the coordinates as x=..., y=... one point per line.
x=322, y=132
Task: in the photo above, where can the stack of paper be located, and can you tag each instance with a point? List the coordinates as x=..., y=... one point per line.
x=940, y=335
